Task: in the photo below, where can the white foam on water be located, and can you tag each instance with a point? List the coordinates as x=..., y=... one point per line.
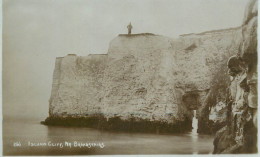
x=194, y=124
x=194, y=134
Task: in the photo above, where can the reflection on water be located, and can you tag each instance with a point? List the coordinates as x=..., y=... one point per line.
x=115, y=142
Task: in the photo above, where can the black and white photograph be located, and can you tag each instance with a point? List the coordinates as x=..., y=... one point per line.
x=129, y=77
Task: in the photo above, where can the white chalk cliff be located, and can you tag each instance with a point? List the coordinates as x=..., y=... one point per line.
x=145, y=76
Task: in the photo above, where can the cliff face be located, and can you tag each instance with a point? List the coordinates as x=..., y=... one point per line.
x=207, y=54
x=139, y=79
x=240, y=133
x=143, y=77
x=77, y=85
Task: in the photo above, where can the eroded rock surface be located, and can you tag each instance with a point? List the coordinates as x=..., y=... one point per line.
x=240, y=134
x=143, y=77
x=77, y=85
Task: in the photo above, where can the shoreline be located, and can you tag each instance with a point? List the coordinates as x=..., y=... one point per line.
x=117, y=124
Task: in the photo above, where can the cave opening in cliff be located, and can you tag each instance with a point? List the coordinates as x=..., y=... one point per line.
x=190, y=100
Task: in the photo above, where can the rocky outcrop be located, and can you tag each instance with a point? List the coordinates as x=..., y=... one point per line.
x=145, y=81
x=240, y=133
x=208, y=75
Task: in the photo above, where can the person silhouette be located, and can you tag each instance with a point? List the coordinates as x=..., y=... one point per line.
x=129, y=27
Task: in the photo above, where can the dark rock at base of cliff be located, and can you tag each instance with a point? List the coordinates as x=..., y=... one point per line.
x=210, y=127
x=117, y=124
x=250, y=144
x=224, y=142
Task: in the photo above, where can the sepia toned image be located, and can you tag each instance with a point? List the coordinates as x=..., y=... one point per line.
x=129, y=77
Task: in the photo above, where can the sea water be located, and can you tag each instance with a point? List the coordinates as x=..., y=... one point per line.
x=29, y=137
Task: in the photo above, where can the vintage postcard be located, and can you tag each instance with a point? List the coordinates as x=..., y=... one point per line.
x=129, y=77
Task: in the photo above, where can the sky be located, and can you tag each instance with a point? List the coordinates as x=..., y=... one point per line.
x=36, y=32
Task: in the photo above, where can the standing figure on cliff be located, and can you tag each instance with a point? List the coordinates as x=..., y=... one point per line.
x=129, y=27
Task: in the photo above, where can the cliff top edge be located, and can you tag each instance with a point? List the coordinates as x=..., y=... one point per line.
x=135, y=35
x=212, y=31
